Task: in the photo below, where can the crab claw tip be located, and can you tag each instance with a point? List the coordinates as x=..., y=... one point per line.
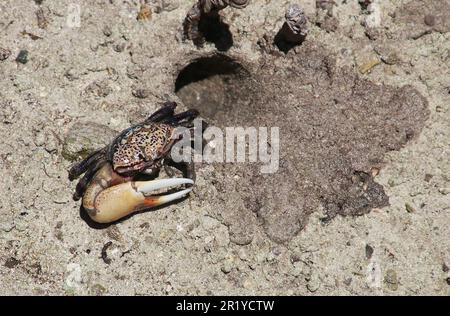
x=147, y=187
x=164, y=199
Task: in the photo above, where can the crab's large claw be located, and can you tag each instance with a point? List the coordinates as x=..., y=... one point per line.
x=123, y=199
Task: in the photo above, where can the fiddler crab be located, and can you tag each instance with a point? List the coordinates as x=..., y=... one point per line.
x=109, y=188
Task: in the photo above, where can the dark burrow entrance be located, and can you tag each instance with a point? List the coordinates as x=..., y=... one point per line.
x=216, y=31
x=335, y=129
x=219, y=87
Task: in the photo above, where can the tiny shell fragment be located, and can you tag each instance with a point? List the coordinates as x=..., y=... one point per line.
x=145, y=13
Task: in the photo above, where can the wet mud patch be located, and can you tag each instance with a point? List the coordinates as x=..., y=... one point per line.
x=335, y=129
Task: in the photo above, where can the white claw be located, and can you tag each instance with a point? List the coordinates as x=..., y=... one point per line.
x=174, y=196
x=149, y=186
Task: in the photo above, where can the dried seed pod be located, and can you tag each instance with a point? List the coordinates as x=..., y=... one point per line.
x=296, y=20
x=295, y=28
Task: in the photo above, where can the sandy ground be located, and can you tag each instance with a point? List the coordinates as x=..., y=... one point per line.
x=78, y=85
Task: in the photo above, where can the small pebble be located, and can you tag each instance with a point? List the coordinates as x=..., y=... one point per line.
x=248, y=284
x=141, y=93
x=242, y=254
x=4, y=54
x=99, y=88
x=22, y=57
x=369, y=251
x=430, y=20
x=39, y=139
x=365, y=3
x=392, y=183
x=444, y=191
x=107, y=31
x=118, y=48
x=7, y=226
x=391, y=280
x=410, y=208
x=325, y=4
x=11, y=262
x=71, y=74
x=391, y=59
x=295, y=258
x=330, y=24
x=227, y=266
x=276, y=251
x=114, y=233
x=375, y=172
x=145, y=13
x=167, y=6
x=270, y=257
x=348, y=281
x=97, y=290
x=41, y=19
x=51, y=144
x=313, y=283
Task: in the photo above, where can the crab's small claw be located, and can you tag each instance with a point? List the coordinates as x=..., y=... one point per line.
x=123, y=199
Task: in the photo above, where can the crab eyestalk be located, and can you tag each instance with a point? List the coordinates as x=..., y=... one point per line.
x=206, y=9
x=295, y=28
x=106, y=202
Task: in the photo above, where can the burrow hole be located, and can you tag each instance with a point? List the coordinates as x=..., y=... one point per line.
x=220, y=88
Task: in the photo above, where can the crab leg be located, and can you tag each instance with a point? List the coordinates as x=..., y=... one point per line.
x=126, y=198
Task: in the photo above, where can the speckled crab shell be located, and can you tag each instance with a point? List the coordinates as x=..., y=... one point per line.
x=140, y=146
